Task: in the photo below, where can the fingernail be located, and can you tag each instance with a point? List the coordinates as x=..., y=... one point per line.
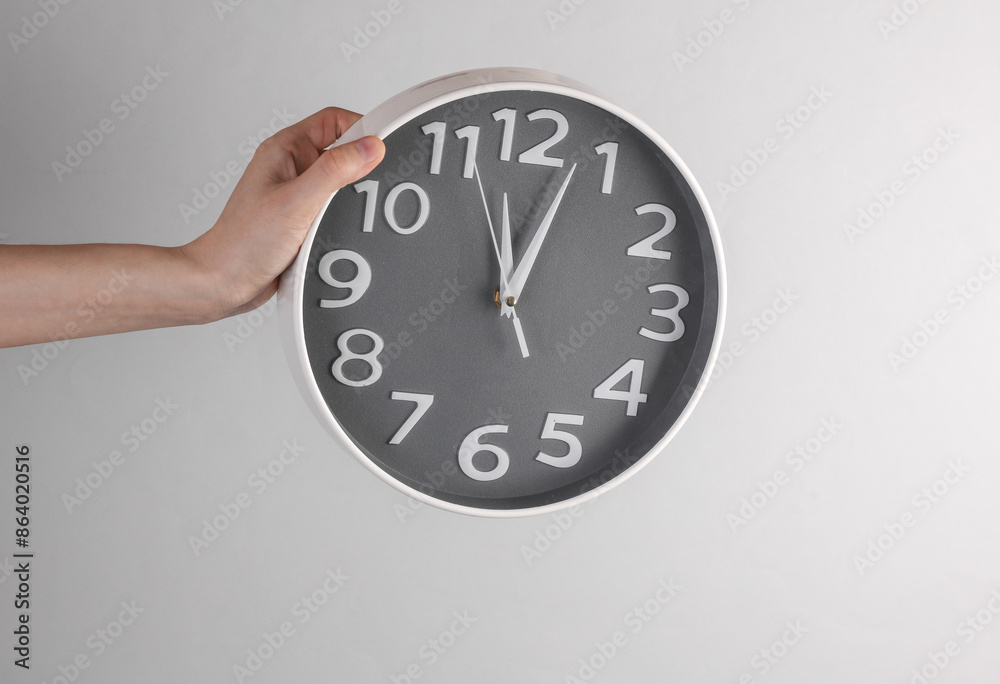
x=368, y=149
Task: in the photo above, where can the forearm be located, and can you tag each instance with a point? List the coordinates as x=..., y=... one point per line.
x=50, y=292
x=62, y=292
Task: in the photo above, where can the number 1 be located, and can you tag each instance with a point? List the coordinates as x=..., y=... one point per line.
x=611, y=150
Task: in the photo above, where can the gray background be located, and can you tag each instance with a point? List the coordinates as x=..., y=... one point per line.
x=544, y=592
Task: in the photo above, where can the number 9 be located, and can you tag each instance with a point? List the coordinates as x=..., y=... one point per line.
x=357, y=285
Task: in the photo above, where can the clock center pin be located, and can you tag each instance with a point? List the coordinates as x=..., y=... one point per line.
x=510, y=301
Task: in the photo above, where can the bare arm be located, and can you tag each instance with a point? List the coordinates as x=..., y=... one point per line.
x=68, y=291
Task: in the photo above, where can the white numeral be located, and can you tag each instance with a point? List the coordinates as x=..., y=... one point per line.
x=390, y=208
x=632, y=396
x=357, y=285
x=370, y=188
x=370, y=357
x=536, y=155
x=645, y=248
x=471, y=135
x=549, y=431
x=672, y=314
x=472, y=446
x=507, y=116
x=423, y=402
x=611, y=150
x=436, y=129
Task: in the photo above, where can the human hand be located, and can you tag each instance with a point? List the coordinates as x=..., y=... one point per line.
x=54, y=292
x=273, y=205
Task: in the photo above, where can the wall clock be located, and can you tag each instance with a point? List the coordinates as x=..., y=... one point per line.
x=519, y=307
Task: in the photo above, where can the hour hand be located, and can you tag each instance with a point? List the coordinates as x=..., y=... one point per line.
x=517, y=279
x=506, y=259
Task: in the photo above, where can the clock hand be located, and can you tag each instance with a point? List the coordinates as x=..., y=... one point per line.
x=520, y=275
x=504, y=259
x=520, y=334
x=506, y=264
x=493, y=234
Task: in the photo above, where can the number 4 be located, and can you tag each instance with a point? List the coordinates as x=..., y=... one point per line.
x=632, y=396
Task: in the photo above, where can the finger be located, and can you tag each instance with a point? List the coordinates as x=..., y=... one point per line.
x=337, y=167
x=321, y=129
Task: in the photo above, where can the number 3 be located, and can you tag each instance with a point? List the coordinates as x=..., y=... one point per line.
x=672, y=314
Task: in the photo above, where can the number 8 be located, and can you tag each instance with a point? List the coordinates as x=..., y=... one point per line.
x=370, y=357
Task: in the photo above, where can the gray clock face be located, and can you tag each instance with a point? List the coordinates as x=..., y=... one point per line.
x=614, y=277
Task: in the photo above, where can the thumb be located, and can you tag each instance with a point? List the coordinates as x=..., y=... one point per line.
x=338, y=166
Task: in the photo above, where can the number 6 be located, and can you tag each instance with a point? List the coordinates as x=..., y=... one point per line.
x=472, y=446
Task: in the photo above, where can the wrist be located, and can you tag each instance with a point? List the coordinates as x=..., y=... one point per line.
x=204, y=284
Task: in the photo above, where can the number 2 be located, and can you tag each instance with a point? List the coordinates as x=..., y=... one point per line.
x=536, y=155
x=645, y=247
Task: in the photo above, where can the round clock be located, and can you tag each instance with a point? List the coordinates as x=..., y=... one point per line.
x=518, y=307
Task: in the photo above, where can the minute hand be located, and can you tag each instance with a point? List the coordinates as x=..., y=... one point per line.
x=516, y=282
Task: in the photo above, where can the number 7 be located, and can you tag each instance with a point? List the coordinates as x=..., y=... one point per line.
x=423, y=402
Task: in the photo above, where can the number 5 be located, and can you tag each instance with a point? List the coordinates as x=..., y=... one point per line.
x=549, y=431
